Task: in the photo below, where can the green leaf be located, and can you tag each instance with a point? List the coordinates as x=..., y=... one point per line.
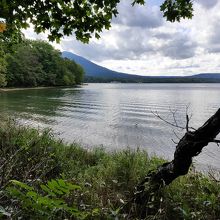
x=22, y=185
x=97, y=36
x=46, y=189
x=32, y=194
x=54, y=187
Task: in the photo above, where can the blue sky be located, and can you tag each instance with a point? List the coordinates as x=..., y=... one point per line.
x=142, y=42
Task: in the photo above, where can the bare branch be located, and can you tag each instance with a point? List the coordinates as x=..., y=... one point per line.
x=174, y=115
x=213, y=176
x=187, y=123
x=188, y=118
x=174, y=141
x=168, y=122
x=175, y=124
x=176, y=135
x=215, y=141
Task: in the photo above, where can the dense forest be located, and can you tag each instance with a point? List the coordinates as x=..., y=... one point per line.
x=36, y=63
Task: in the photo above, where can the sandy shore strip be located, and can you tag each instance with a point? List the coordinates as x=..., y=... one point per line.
x=27, y=88
x=40, y=87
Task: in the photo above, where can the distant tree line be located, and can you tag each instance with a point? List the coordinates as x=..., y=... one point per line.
x=36, y=63
x=147, y=79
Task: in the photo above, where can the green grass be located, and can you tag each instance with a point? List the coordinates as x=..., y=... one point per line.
x=106, y=181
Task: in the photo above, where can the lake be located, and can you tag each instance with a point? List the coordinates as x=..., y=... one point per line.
x=117, y=116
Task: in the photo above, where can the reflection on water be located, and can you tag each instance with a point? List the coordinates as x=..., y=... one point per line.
x=118, y=115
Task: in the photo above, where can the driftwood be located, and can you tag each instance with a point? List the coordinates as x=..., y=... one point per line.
x=189, y=146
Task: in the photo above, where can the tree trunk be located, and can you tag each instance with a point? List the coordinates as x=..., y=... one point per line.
x=189, y=146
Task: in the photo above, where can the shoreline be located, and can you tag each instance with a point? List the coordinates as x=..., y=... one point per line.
x=35, y=88
x=7, y=89
x=23, y=88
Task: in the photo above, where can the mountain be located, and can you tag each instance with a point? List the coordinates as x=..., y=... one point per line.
x=207, y=76
x=96, y=73
x=94, y=70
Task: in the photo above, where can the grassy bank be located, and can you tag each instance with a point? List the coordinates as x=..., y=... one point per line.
x=60, y=181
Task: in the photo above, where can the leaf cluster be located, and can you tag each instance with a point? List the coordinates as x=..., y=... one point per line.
x=47, y=202
x=84, y=18
x=175, y=10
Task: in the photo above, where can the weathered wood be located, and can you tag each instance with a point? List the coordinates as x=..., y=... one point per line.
x=189, y=146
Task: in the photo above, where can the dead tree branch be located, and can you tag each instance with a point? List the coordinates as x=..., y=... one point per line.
x=190, y=145
x=174, y=124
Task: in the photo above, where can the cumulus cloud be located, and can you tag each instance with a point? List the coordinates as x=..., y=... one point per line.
x=142, y=42
x=207, y=3
x=213, y=45
x=126, y=43
x=179, y=46
x=128, y=38
x=139, y=16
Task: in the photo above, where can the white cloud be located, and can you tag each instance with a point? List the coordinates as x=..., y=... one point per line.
x=207, y=3
x=142, y=42
x=139, y=16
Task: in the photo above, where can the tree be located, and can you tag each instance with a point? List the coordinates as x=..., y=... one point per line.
x=84, y=18
x=74, y=67
x=55, y=65
x=24, y=67
x=49, y=57
x=37, y=63
x=3, y=81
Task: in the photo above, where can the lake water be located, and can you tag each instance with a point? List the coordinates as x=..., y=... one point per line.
x=118, y=116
